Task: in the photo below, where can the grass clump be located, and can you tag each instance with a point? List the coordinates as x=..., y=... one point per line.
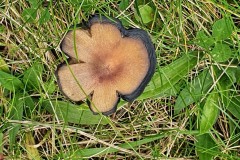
x=190, y=109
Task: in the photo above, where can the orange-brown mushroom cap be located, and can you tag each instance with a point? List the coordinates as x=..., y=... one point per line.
x=111, y=62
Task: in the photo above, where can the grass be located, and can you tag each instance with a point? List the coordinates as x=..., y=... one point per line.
x=190, y=109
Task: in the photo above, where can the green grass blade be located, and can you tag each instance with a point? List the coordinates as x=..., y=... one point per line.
x=165, y=78
x=210, y=113
x=10, y=82
x=206, y=147
x=234, y=106
x=79, y=114
x=12, y=135
x=16, y=113
x=194, y=91
x=32, y=77
x=88, y=152
x=1, y=143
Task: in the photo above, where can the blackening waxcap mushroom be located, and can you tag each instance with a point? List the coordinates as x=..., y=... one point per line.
x=111, y=62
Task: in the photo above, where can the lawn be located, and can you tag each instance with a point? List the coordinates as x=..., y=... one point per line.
x=189, y=110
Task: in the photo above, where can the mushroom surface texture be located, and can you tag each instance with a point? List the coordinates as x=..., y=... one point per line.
x=106, y=62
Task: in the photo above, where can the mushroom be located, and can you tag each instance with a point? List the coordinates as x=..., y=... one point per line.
x=106, y=62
